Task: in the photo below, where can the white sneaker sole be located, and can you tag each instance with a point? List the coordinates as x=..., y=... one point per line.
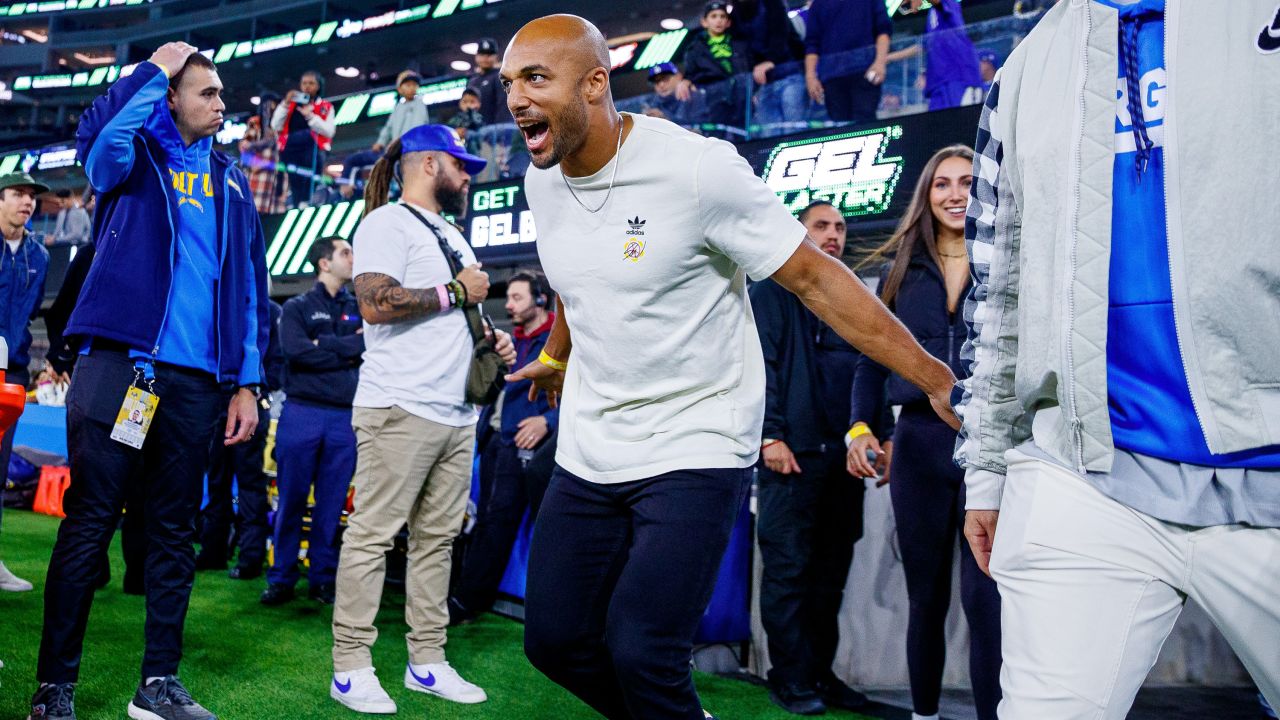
x=414, y=685
x=371, y=707
x=138, y=713
x=16, y=587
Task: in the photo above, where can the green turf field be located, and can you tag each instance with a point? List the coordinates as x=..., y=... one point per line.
x=246, y=661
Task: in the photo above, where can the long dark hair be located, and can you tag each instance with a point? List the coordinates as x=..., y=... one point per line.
x=917, y=230
x=378, y=188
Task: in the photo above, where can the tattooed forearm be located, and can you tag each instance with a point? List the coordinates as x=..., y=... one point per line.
x=383, y=300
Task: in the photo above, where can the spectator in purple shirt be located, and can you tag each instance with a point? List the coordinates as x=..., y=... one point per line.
x=952, y=77
x=846, y=46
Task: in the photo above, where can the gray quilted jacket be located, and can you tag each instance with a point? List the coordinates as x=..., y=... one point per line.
x=1039, y=233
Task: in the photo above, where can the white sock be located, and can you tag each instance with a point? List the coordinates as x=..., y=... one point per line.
x=914, y=716
x=152, y=679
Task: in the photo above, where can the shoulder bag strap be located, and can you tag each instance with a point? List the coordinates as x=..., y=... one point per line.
x=476, y=319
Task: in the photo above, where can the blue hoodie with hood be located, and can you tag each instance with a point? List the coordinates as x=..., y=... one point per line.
x=1148, y=395
x=180, y=272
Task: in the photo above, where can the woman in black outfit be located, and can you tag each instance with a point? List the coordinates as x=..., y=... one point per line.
x=925, y=284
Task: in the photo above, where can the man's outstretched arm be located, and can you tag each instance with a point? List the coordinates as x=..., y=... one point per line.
x=840, y=300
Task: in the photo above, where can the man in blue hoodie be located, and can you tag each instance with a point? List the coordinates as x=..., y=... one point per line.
x=24, y=263
x=173, y=315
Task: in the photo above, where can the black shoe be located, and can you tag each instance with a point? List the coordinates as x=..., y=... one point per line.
x=245, y=572
x=797, y=699
x=838, y=695
x=166, y=699
x=133, y=583
x=321, y=593
x=459, y=615
x=276, y=594
x=54, y=702
x=205, y=562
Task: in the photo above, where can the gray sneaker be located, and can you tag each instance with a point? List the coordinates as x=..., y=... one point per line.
x=54, y=702
x=10, y=582
x=166, y=699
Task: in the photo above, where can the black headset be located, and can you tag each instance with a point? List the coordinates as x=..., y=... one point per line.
x=540, y=295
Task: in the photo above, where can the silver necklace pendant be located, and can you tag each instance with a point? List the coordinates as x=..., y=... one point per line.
x=617, y=160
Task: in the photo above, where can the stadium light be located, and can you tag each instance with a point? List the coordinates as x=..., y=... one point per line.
x=671, y=24
x=460, y=65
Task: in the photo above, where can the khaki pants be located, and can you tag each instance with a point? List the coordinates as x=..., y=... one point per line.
x=408, y=470
x=1090, y=589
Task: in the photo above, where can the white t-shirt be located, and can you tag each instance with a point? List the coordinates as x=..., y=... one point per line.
x=419, y=365
x=666, y=371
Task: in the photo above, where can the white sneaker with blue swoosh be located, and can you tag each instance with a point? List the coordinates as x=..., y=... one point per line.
x=442, y=680
x=361, y=691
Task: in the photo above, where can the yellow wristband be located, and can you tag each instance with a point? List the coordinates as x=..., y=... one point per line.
x=162, y=67
x=857, y=431
x=551, y=362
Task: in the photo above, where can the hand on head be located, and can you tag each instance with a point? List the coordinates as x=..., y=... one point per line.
x=172, y=56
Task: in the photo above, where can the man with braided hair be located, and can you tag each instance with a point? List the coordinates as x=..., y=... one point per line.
x=415, y=431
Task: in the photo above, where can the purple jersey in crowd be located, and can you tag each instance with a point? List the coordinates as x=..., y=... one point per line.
x=951, y=62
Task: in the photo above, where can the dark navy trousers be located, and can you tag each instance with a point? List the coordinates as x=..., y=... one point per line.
x=166, y=473
x=315, y=446
x=619, y=577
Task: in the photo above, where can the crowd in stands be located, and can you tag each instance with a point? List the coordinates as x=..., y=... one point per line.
x=328, y=368
x=755, y=68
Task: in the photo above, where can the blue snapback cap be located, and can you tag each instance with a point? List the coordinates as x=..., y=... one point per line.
x=664, y=68
x=441, y=138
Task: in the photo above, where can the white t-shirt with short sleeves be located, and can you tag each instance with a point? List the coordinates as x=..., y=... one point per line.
x=666, y=370
x=419, y=365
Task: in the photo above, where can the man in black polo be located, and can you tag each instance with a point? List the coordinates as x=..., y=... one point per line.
x=810, y=508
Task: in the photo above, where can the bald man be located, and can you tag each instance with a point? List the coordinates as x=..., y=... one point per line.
x=647, y=232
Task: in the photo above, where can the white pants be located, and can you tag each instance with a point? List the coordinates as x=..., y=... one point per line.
x=1090, y=590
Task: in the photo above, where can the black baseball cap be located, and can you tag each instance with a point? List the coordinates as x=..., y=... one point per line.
x=487, y=46
x=713, y=6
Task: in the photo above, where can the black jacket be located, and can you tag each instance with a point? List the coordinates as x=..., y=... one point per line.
x=808, y=373
x=273, y=362
x=766, y=28
x=324, y=372
x=493, y=100
x=702, y=68
x=921, y=305
x=62, y=351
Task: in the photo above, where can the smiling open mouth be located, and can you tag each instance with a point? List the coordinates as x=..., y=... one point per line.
x=536, y=135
